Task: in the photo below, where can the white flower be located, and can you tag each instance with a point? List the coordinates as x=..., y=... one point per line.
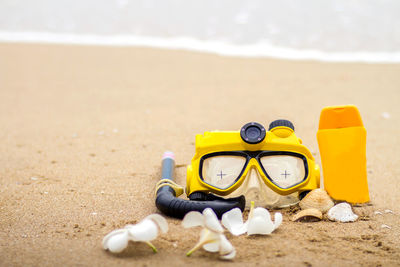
x=258, y=223
x=212, y=238
x=145, y=231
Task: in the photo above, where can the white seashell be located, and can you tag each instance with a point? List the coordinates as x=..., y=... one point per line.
x=377, y=212
x=388, y=211
x=342, y=213
x=386, y=226
x=308, y=215
x=317, y=199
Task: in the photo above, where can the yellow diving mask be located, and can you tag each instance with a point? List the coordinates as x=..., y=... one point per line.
x=271, y=167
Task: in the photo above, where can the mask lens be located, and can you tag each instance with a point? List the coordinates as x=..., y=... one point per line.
x=222, y=171
x=284, y=171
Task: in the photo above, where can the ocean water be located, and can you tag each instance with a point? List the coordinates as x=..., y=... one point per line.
x=341, y=30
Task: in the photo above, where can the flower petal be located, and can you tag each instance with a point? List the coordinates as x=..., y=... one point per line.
x=226, y=250
x=225, y=245
x=211, y=221
x=109, y=235
x=233, y=221
x=160, y=221
x=258, y=225
x=212, y=246
x=116, y=241
x=229, y=256
x=192, y=219
x=263, y=213
x=211, y=238
x=278, y=220
x=145, y=230
x=206, y=236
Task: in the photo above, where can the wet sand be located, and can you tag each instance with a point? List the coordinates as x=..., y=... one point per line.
x=83, y=130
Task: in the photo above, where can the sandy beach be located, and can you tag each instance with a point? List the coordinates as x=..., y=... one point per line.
x=83, y=130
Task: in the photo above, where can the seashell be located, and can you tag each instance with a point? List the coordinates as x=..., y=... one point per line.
x=317, y=199
x=342, y=213
x=308, y=215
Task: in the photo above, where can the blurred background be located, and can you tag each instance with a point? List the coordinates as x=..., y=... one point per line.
x=341, y=30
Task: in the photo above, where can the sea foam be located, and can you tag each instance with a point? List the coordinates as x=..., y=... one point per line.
x=259, y=49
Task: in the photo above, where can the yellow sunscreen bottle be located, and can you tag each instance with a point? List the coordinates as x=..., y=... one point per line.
x=342, y=145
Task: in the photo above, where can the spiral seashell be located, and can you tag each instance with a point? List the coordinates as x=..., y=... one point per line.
x=317, y=199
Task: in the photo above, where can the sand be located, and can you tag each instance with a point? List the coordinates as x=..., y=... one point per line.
x=83, y=130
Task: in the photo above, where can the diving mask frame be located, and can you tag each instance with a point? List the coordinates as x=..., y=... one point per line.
x=279, y=140
x=252, y=142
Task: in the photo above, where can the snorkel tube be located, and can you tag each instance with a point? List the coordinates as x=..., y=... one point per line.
x=167, y=193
